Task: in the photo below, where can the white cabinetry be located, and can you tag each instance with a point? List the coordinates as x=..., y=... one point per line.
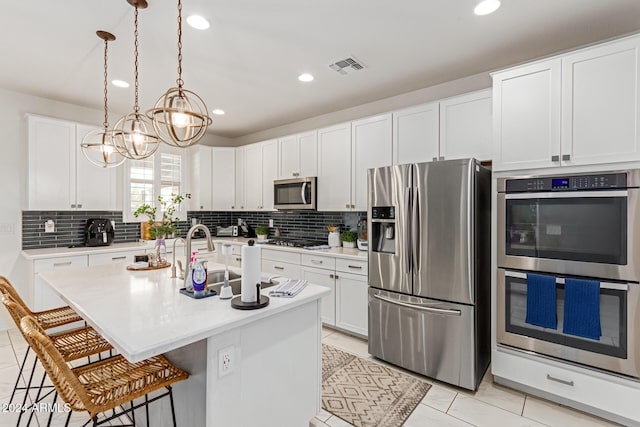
x=334, y=168
x=201, y=178
x=238, y=204
x=60, y=177
x=260, y=166
x=269, y=173
x=351, y=296
x=282, y=263
x=44, y=298
x=223, y=178
x=415, y=134
x=465, y=126
x=298, y=155
x=320, y=270
x=114, y=257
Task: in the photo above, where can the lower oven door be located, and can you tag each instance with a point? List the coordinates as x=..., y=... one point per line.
x=617, y=350
x=431, y=337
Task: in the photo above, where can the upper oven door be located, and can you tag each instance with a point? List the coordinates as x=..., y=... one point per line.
x=586, y=233
x=298, y=193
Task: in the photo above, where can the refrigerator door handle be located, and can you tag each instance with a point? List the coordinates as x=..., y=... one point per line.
x=421, y=307
x=415, y=230
x=408, y=224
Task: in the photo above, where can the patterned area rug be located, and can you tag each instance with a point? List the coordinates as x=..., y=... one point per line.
x=365, y=393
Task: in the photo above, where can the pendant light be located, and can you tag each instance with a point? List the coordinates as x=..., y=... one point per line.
x=133, y=133
x=180, y=117
x=98, y=145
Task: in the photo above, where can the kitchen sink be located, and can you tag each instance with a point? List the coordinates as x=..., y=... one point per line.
x=218, y=276
x=215, y=280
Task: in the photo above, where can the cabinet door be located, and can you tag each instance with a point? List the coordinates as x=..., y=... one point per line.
x=52, y=164
x=269, y=173
x=44, y=297
x=114, y=257
x=201, y=178
x=371, y=145
x=253, y=177
x=223, y=174
x=289, y=157
x=600, y=104
x=526, y=102
x=95, y=186
x=466, y=127
x=352, y=303
x=334, y=168
x=308, y=148
x=324, y=278
x=239, y=190
x=415, y=134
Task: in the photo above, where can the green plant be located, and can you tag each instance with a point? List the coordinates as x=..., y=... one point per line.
x=165, y=227
x=348, y=236
x=263, y=230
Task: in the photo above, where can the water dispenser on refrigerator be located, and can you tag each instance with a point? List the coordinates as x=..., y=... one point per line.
x=383, y=224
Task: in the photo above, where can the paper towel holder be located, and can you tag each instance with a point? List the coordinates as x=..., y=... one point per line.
x=260, y=302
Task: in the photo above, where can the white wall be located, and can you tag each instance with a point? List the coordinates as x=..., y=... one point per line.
x=13, y=175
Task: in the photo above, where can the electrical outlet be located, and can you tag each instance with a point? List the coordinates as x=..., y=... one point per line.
x=271, y=223
x=239, y=221
x=226, y=361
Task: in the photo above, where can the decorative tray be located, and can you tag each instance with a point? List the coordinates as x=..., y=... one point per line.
x=155, y=267
x=207, y=293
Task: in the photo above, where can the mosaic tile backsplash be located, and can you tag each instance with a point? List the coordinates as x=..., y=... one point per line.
x=70, y=224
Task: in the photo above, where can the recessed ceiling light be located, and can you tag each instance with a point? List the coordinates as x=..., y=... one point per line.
x=306, y=77
x=198, y=22
x=218, y=112
x=119, y=83
x=486, y=7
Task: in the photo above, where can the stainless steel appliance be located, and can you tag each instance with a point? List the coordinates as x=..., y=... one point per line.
x=572, y=226
x=429, y=264
x=98, y=232
x=363, y=235
x=295, y=243
x=296, y=193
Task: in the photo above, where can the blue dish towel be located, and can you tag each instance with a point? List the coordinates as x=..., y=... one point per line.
x=541, y=301
x=582, y=308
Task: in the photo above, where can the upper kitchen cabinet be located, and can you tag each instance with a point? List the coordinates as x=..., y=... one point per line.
x=298, y=155
x=526, y=114
x=238, y=204
x=334, y=168
x=60, y=177
x=269, y=172
x=600, y=103
x=371, y=147
x=201, y=178
x=260, y=169
x=223, y=178
x=415, y=134
x=466, y=127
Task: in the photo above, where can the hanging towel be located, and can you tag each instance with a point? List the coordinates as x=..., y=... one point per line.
x=541, y=301
x=582, y=308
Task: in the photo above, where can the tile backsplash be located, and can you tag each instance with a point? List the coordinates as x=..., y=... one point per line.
x=69, y=225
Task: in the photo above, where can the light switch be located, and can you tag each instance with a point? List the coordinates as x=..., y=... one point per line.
x=271, y=223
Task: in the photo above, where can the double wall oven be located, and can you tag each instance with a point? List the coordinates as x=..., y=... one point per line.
x=572, y=227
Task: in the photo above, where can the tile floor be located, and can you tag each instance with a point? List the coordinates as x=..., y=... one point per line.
x=443, y=405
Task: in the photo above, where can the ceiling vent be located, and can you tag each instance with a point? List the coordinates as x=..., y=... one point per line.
x=347, y=65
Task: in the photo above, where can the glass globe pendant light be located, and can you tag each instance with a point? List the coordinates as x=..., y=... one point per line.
x=98, y=145
x=180, y=117
x=133, y=133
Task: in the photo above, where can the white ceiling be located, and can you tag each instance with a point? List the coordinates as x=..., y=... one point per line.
x=248, y=61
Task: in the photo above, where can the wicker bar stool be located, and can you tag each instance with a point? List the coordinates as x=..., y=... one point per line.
x=72, y=345
x=105, y=385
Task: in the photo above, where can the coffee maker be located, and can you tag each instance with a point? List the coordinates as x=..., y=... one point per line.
x=363, y=243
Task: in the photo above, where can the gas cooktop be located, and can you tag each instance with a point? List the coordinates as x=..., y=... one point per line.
x=295, y=243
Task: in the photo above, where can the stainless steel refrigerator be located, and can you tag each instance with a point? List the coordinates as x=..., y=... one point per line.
x=429, y=268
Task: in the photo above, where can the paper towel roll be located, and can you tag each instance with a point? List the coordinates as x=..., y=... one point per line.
x=250, y=272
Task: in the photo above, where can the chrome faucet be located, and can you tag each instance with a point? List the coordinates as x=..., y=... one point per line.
x=210, y=246
x=173, y=266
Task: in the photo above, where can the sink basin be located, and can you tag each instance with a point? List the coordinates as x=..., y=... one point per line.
x=215, y=280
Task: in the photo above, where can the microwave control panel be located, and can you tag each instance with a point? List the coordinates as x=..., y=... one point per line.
x=606, y=181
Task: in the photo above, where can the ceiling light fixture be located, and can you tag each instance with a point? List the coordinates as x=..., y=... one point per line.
x=198, y=22
x=120, y=83
x=305, y=77
x=218, y=112
x=180, y=117
x=98, y=145
x=485, y=7
x=133, y=133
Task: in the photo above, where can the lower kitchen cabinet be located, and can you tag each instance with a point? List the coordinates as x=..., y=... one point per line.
x=44, y=298
x=326, y=278
x=114, y=257
x=351, y=302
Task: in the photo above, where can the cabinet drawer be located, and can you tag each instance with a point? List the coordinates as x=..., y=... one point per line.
x=62, y=262
x=112, y=257
x=354, y=266
x=282, y=256
x=319, y=261
x=285, y=269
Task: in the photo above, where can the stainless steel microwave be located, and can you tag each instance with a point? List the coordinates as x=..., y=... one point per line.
x=296, y=193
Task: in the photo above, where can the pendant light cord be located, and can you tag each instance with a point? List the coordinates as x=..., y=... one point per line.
x=106, y=110
x=179, y=81
x=136, y=108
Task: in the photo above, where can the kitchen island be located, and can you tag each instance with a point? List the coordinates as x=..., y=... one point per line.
x=275, y=373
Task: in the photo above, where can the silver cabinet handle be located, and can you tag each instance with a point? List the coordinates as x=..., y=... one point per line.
x=357, y=267
x=201, y=207
x=73, y=206
x=555, y=158
x=233, y=207
x=332, y=276
x=238, y=258
x=114, y=258
x=435, y=159
x=566, y=157
x=62, y=264
x=278, y=267
x=80, y=205
x=421, y=307
x=558, y=380
x=315, y=261
x=347, y=206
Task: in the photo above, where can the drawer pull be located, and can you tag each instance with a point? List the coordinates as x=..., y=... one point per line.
x=357, y=267
x=62, y=264
x=332, y=276
x=118, y=257
x=315, y=261
x=238, y=259
x=558, y=380
x=278, y=267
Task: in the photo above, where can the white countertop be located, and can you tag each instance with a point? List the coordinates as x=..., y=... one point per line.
x=33, y=254
x=142, y=314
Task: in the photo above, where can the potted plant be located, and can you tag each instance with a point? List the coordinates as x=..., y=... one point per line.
x=165, y=227
x=349, y=239
x=262, y=231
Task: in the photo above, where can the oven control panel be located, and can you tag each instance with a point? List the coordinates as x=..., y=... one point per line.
x=606, y=181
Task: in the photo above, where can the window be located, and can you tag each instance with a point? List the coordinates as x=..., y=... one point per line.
x=161, y=174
